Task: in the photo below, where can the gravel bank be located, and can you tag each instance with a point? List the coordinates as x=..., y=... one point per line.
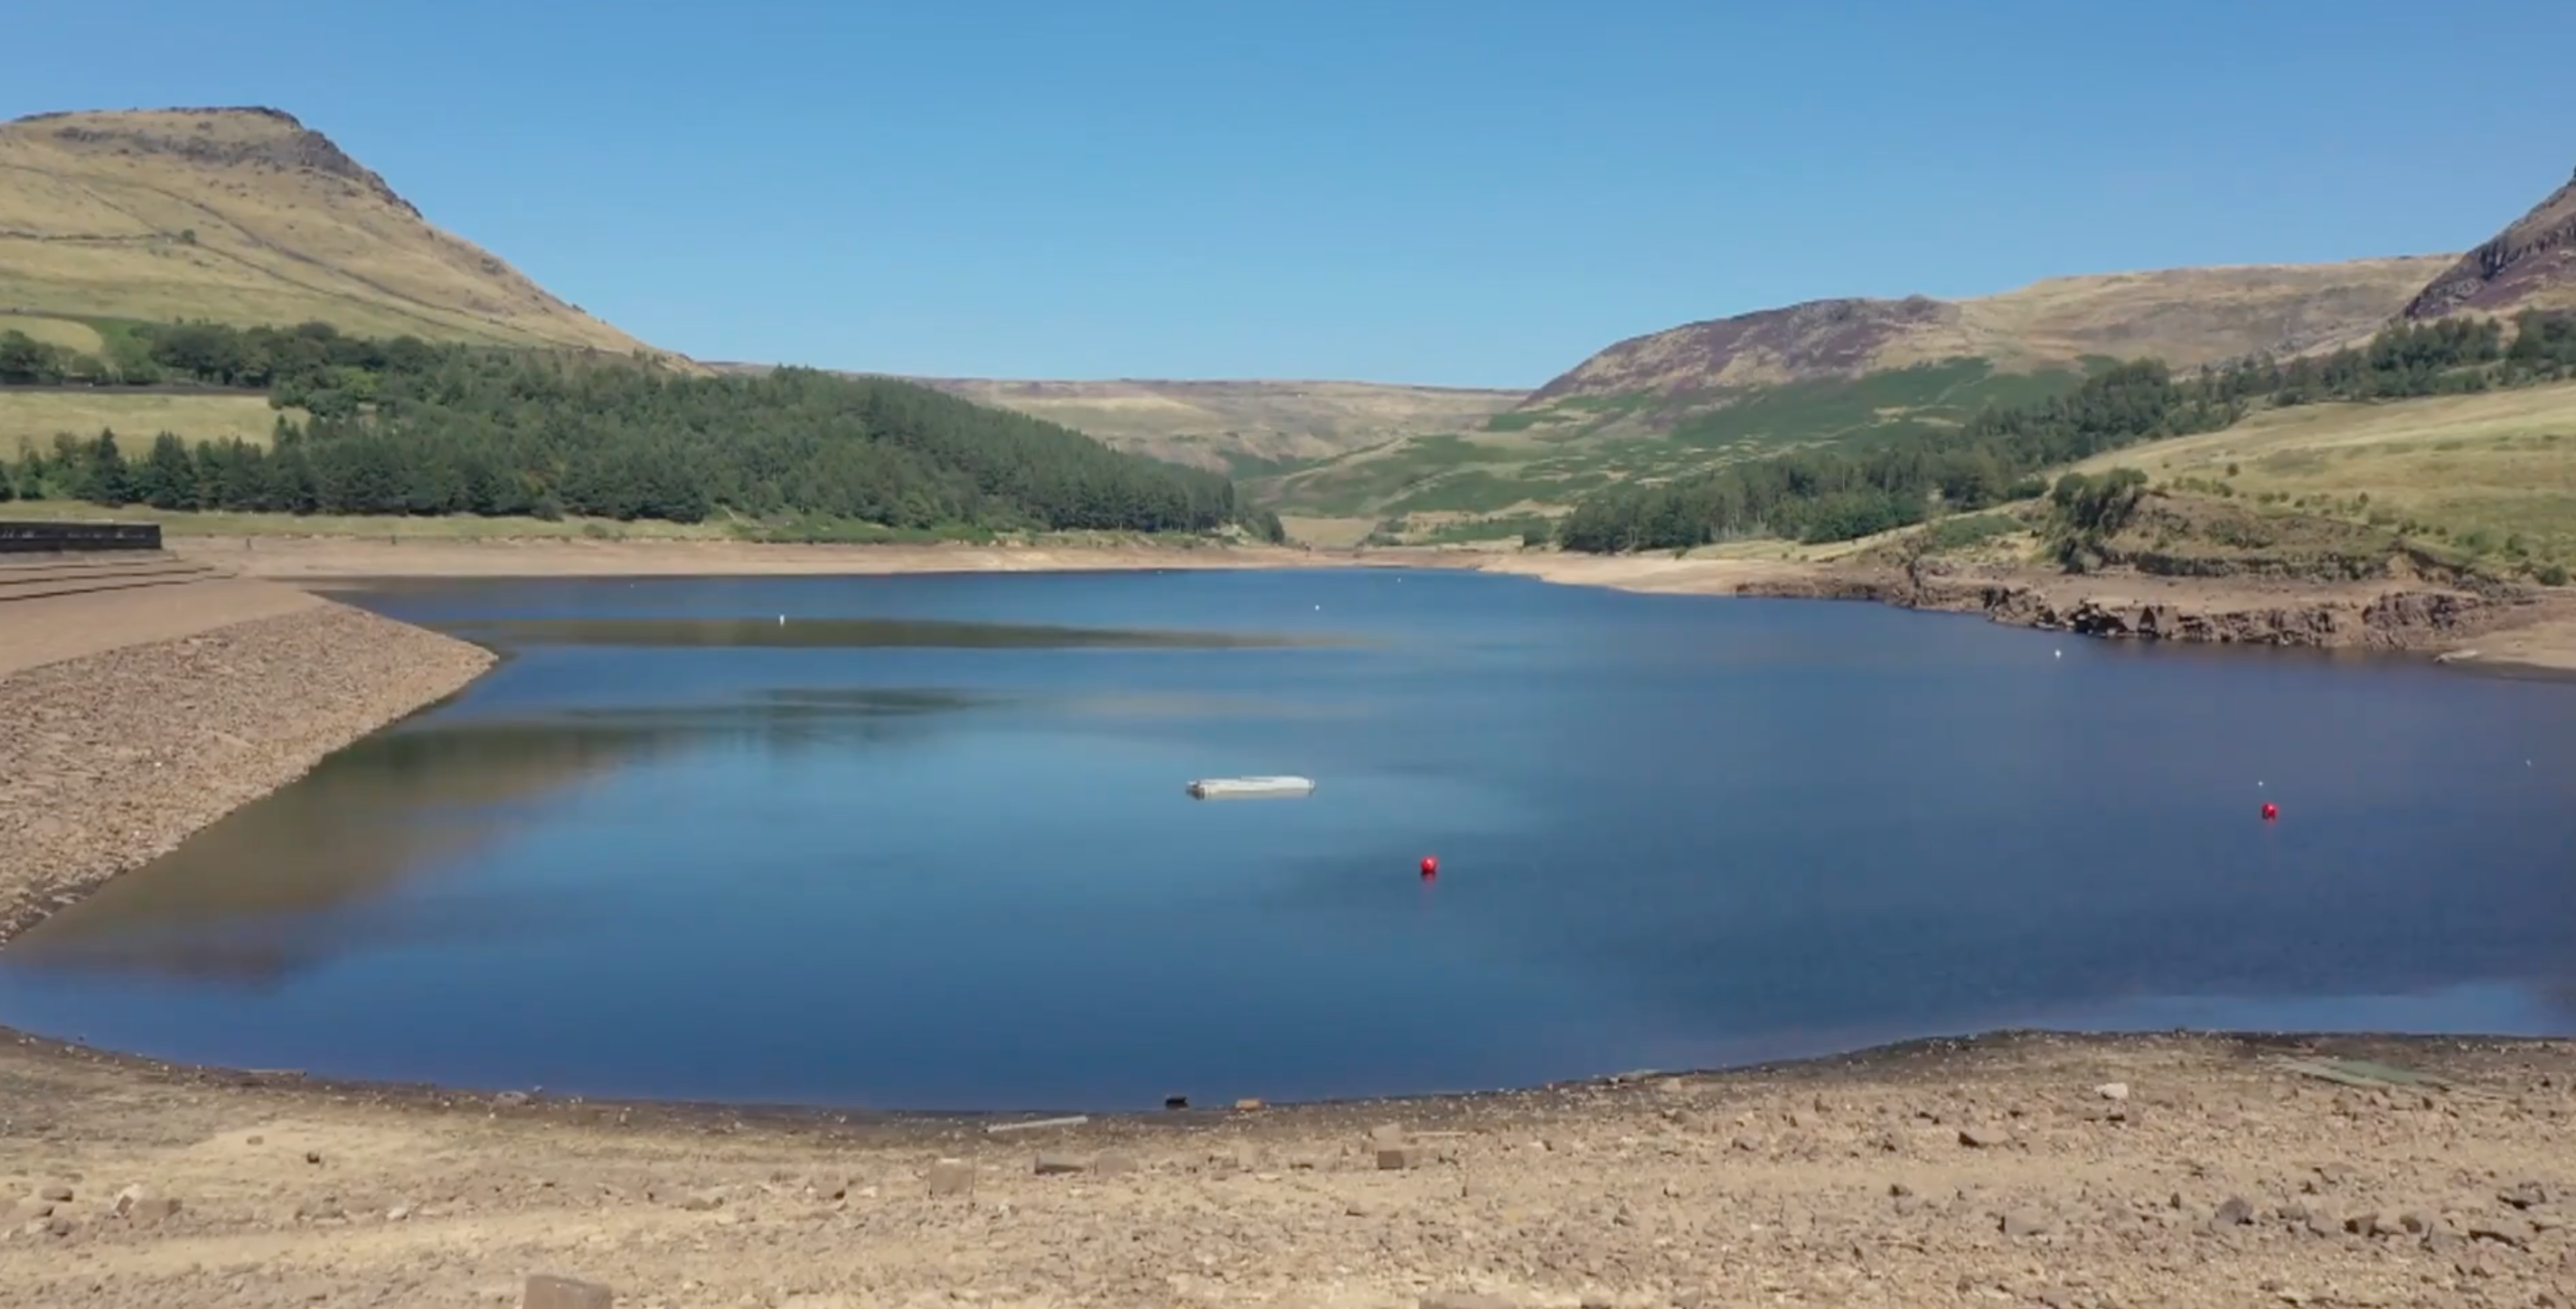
x=114, y=757
x=2077, y=1173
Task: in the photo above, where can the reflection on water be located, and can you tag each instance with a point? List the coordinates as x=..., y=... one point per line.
x=856, y=633
x=657, y=853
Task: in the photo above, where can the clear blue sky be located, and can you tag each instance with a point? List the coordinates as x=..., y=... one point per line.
x=1457, y=191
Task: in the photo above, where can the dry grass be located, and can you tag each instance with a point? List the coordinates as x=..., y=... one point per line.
x=68, y=333
x=2185, y=316
x=244, y=217
x=1215, y=424
x=135, y=418
x=2482, y=469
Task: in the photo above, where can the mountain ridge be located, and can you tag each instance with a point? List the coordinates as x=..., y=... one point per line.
x=244, y=215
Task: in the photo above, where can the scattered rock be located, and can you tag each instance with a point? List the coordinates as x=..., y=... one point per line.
x=510, y=1099
x=56, y=1194
x=1247, y=1105
x=1056, y=1165
x=255, y=1140
x=398, y=1213
x=2112, y=1090
x=2028, y=1222
x=949, y=1177
x=2235, y=1211
x=1464, y=1300
x=2501, y=1230
x=546, y=1291
x=1393, y=1158
x=312, y=1156
x=327, y=1209
x=58, y=1226
x=2524, y=1195
x=1984, y=1138
x=1117, y=1163
x=702, y=1201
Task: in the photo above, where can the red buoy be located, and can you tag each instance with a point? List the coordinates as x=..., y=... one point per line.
x=2270, y=811
x=1431, y=865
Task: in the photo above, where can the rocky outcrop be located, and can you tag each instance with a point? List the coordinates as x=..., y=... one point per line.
x=2534, y=259
x=2397, y=619
x=279, y=142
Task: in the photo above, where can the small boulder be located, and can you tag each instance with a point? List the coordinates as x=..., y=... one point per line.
x=56, y=1194
x=2501, y=1230
x=510, y=1099
x=2524, y=1195
x=2235, y=1211
x=1057, y=1165
x=1395, y=1158
x=546, y=1291
x=2112, y=1091
x=1464, y=1300
x=699, y=1202
x=1984, y=1138
x=2028, y=1222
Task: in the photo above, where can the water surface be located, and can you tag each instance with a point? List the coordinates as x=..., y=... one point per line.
x=921, y=841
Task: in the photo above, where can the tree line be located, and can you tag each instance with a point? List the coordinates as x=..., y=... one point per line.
x=403, y=426
x=1843, y=494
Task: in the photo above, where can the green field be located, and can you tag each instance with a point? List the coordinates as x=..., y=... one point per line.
x=136, y=417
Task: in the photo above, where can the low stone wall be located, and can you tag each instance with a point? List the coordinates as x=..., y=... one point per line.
x=111, y=759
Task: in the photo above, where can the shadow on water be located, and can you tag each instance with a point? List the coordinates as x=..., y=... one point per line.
x=854, y=633
x=286, y=882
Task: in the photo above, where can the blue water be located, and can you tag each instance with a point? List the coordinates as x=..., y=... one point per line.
x=1672, y=832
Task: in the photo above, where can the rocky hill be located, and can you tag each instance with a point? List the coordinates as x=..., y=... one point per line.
x=242, y=216
x=2529, y=265
x=2184, y=315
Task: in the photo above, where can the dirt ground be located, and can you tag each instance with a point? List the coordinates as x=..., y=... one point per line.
x=2018, y=1171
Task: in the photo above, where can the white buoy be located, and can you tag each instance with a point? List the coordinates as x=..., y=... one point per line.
x=782, y=620
x=2061, y=654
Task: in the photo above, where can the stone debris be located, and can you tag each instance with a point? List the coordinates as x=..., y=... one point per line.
x=949, y=1177
x=546, y=1291
x=1393, y=1158
x=1984, y=1138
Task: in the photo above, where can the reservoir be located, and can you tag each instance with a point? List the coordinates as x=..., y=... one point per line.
x=922, y=842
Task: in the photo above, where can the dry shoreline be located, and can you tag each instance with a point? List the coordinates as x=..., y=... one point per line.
x=1954, y=1172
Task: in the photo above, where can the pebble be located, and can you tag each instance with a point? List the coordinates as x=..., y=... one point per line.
x=1393, y=1158
x=2525, y=1195
x=2112, y=1090
x=702, y=1201
x=1984, y=1138
x=55, y=1195
x=2235, y=1211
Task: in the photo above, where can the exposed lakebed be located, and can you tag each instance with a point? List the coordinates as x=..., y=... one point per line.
x=921, y=841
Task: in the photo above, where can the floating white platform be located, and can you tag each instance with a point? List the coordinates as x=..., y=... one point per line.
x=1244, y=788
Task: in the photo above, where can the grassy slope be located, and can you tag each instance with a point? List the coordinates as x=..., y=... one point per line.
x=1243, y=427
x=36, y=416
x=2480, y=472
x=245, y=217
x=1674, y=402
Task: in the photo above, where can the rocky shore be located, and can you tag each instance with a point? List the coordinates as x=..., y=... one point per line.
x=116, y=756
x=2077, y=1172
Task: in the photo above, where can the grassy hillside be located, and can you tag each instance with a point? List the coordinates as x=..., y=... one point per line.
x=1833, y=373
x=36, y=417
x=1243, y=427
x=242, y=216
x=2493, y=474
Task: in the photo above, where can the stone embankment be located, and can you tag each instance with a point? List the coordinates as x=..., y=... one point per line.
x=2318, y=616
x=114, y=755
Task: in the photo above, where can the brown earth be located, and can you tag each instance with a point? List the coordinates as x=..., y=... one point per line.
x=2016, y=1171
